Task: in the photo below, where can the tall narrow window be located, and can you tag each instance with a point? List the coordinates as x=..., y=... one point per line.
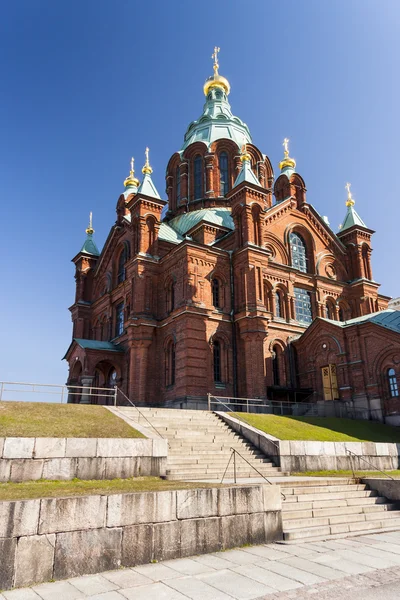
x=178, y=185
x=223, y=174
x=275, y=365
x=121, y=266
x=198, y=177
x=170, y=364
x=329, y=311
x=298, y=251
x=303, y=305
x=151, y=233
x=341, y=314
x=392, y=380
x=278, y=305
x=170, y=296
x=255, y=213
x=215, y=293
x=119, y=319
x=217, y=361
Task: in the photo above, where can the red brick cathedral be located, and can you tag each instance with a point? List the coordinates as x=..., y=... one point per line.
x=213, y=289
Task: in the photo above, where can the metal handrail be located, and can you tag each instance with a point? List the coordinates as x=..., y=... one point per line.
x=234, y=452
x=240, y=418
x=54, y=389
x=139, y=411
x=368, y=463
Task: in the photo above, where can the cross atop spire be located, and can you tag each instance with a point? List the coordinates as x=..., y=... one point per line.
x=287, y=162
x=286, y=147
x=350, y=199
x=147, y=168
x=90, y=230
x=215, y=57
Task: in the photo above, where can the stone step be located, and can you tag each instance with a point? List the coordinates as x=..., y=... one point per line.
x=326, y=496
x=201, y=469
x=344, y=528
x=319, y=481
x=333, y=503
x=290, y=524
x=331, y=512
x=300, y=491
x=216, y=476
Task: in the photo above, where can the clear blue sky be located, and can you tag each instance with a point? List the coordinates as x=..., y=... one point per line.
x=85, y=84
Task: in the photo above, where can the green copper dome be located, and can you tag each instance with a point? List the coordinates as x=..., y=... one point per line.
x=217, y=122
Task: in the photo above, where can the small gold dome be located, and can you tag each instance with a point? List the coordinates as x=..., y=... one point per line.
x=217, y=81
x=287, y=161
x=131, y=179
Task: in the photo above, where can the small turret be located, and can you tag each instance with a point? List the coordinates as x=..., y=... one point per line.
x=352, y=218
x=246, y=173
x=147, y=187
x=131, y=183
x=287, y=165
x=89, y=246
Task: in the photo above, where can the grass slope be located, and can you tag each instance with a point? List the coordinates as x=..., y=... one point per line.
x=79, y=487
x=40, y=419
x=322, y=429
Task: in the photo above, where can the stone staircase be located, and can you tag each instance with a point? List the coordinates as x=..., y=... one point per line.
x=323, y=508
x=200, y=444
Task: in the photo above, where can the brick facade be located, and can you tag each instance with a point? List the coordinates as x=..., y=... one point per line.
x=213, y=309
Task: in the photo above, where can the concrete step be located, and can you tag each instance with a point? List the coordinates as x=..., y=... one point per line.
x=360, y=528
x=215, y=476
x=333, y=503
x=195, y=469
x=300, y=491
x=327, y=496
x=290, y=524
x=331, y=512
x=318, y=481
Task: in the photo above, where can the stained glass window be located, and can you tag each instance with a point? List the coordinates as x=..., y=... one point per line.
x=303, y=305
x=299, y=252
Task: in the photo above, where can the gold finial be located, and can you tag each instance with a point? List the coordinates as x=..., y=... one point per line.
x=350, y=199
x=287, y=161
x=215, y=57
x=147, y=168
x=216, y=80
x=245, y=155
x=90, y=230
x=131, y=179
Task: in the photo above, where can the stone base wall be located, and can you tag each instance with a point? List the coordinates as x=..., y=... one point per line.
x=30, y=459
x=56, y=538
x=298, y=456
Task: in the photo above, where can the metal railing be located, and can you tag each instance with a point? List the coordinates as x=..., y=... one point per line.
x=139, y=411
x=17, y=391
x=353, y=454
x=233, y=455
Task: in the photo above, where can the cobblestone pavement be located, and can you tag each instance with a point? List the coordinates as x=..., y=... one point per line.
x=360, y=568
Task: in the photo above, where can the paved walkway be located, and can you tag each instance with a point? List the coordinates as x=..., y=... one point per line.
x=365, y=567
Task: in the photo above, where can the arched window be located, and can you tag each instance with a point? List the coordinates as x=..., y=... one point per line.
x=298, y=251
x=255, y=213
x=223, y=174
x=392, y=381
x=198, y=177
x=121, y=266
x=278, y=305
x=365, y=257
x=275, y=365
x=217, y=361
x=342, y=316
x=178, y=185
x=215, y=287
x=329, y=311
x=151, y=233
x=119, y=319
x=170, y=364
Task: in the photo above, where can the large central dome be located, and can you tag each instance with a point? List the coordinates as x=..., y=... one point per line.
x=217, y=121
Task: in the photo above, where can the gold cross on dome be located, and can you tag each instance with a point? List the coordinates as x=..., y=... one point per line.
x=132, y=165
x=215, y=57
x=347, y=187
x=286, y=146
x=146, y=153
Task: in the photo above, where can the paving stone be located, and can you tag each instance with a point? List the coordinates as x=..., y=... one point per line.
x=93, y=584
x=293, y=573
x=263, y=575
x=348, y=567
x=156, y=572
x=235, y=585
x=363, y=559
x=196, y=589
x=313, y=567
x=265, y=552
x=126, y=578
x=187, y=566
x=24, y=594
x=215, y=561
x=107, y=596
x=239, y=557
x=285, y=549
x=60, y=590
x=155, y=591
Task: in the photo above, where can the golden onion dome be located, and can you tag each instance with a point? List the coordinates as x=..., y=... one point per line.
x=287, y=161
x=216, y=80
x=131, y=180
x=350, y=199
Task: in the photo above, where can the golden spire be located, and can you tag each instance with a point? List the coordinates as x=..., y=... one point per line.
x=287, y=161
x=216, y=80
x=131, y=179
x=90, y=230
x=245, y=155
x=147, y=168
x=350, y=199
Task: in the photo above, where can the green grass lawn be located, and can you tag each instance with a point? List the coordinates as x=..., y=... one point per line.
x=322, y=429
x=41, y=419
x=79, y=487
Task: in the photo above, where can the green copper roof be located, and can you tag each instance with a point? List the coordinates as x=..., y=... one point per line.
x=169, y=234
x=288, y=171
x=89, y=247
x=97, y=345
x=218, y=216
x=389, y=318
x=148, y=188
x=352, y=218
x=246, y=174
x=130, y=189
x=217, y=122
